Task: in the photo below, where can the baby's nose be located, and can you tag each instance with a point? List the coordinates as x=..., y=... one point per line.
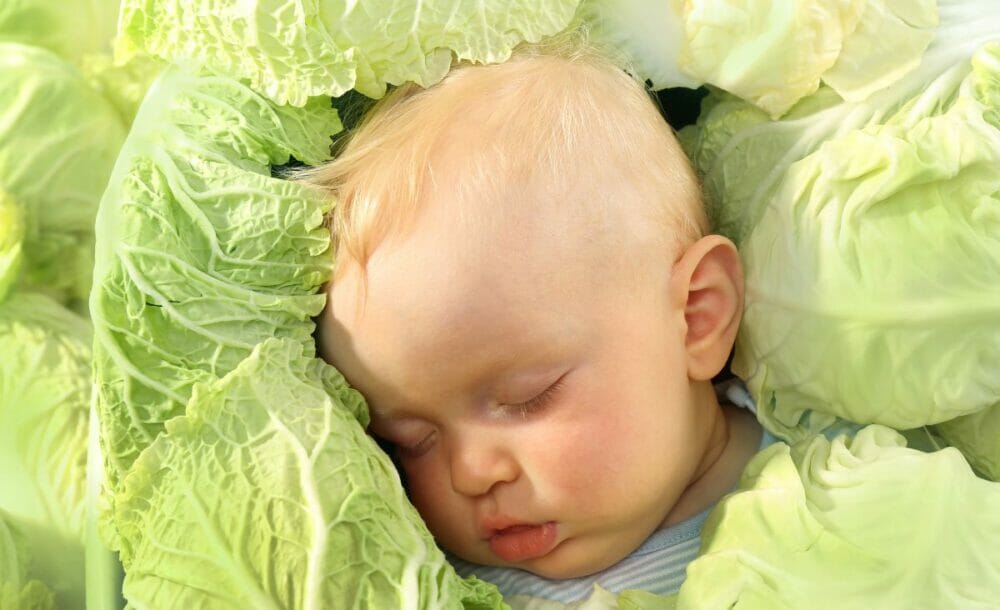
x=478, y=464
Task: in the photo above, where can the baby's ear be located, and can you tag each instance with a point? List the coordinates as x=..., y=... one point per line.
x=707, y=282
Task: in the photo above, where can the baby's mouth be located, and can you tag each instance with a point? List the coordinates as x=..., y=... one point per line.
x=524, y=541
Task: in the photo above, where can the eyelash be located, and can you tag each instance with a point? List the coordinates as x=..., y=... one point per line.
x=524, y=409
x=418, y=449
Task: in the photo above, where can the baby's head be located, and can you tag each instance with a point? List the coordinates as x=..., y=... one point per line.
x=525, y=296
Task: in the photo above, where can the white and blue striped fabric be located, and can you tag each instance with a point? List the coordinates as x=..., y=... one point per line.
x=658, y=566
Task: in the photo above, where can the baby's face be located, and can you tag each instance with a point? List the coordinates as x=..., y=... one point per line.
x=542, y=413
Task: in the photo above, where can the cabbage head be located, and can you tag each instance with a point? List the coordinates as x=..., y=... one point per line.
x=63, y=116
x=202, y=253
x=58, y=142
x=835, y=524
x=869, y=226
x=44, y=408
x=291, y=52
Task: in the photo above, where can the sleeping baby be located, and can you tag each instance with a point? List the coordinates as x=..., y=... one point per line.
x=527, y=294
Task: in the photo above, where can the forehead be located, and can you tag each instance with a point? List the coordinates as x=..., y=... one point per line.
x=445, y=305
x=480, y=281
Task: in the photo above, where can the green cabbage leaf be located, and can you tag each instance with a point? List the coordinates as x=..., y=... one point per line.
x=64, y=112
x=769, y=53
x=834, y=524
x=870, y=236
x=58, y=142
x=269, y=494
x=291, y=52
x=976, y=435
x=16, y=591
x=12, y=231
x=44, y=408
x=650, y=34
x=202, y=253
x=72, y=29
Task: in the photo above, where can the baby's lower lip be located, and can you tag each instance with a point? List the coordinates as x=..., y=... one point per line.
x=523, y=542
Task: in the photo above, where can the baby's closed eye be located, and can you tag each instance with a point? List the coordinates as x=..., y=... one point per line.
x=535, y=404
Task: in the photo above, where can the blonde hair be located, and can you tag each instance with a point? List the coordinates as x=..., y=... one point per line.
x=550, y=114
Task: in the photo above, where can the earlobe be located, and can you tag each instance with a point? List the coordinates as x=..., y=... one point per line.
x=709, y=279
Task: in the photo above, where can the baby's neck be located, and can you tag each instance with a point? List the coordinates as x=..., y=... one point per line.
x=734, y=440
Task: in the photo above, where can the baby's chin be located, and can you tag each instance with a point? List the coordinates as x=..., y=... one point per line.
x=571, y=558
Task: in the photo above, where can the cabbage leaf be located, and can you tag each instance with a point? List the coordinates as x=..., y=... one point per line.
x=72, y=29
x=202, y=254
x=269, y=494
x=889, y=42
x=12, y=231
x=291, y=52
x=976, y=436
x=869, y=234
x=834, y=524
x=16, y=591
x=44, y=406
x=770, y=54
x=881, y=248
x=650, y=34
x=55, y=159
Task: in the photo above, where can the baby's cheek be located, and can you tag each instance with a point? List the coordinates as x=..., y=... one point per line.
x=429, y=488
x=605, y=455
x=575, y=458
x=422, y=482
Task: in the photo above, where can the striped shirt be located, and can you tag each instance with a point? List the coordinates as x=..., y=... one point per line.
x=659, y=565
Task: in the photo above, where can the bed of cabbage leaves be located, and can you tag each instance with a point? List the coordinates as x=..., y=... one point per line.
x=849, y=147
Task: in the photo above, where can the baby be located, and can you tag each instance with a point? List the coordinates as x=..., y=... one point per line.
x=527, y=296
